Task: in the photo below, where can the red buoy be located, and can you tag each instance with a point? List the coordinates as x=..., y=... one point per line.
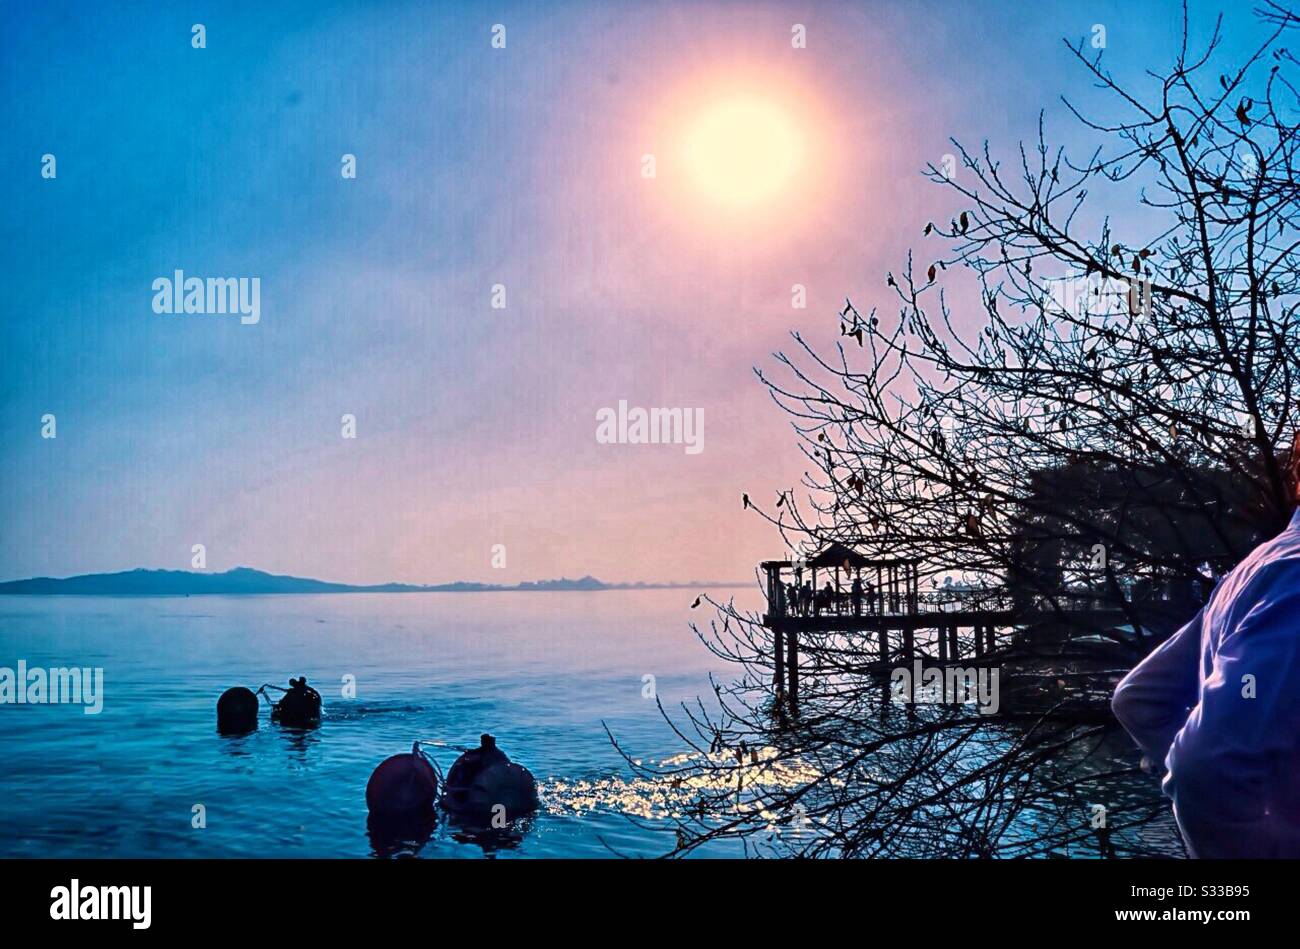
x=402, y=786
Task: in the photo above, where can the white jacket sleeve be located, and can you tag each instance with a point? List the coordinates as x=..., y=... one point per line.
x=1225, y=763
x=1155, y=698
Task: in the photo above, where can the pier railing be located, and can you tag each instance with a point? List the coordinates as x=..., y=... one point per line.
x=891, y=602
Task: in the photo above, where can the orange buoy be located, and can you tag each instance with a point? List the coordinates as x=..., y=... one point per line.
x=402, y=786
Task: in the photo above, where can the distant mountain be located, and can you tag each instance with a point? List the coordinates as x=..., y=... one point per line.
x=245, y=580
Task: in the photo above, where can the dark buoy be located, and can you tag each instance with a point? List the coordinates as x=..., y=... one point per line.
x=299, y=707
x=237, y=711
x=484, y=780
x=402, y=787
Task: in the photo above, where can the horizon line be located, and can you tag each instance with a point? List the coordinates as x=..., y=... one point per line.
x=536, y=585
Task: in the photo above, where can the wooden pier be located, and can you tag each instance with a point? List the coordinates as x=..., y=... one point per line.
x=884, y=597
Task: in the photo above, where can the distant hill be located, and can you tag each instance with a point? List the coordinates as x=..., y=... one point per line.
x=245, y=580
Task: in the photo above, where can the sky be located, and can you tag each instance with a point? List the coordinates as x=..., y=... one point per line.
x=477, y=166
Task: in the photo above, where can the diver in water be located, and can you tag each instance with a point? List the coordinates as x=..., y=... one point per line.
x=484, y=779
x=300, y=706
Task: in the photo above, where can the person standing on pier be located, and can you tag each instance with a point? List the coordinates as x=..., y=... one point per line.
x=1219, y=704
x=856, y=593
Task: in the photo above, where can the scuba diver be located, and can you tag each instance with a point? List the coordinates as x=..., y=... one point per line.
x=484, y=779
x=299, y=707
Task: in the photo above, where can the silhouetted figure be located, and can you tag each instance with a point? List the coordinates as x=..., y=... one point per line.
x=299, y=707
x=485, y=785
x=856, y=593
x=828, y=598
x=1219, y=704
x=806, y=596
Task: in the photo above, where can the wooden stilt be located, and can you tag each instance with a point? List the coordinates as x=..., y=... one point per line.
x=909, y=652
x=884, y=665
x=792, y=670
x=778, y=672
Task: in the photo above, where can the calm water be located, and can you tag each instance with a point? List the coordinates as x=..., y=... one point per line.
x=541, y=671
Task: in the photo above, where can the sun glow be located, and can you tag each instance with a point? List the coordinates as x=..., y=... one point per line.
x=739, y=157
x=743, y=151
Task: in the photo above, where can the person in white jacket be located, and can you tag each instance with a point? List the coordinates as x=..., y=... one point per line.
x=1219, y=704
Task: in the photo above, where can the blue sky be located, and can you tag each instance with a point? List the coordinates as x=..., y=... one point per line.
x=475, y=166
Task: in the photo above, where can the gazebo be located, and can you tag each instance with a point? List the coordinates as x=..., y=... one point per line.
x=834, y=558
x=896, y=582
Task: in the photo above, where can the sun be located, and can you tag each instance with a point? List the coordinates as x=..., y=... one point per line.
x=743, y=151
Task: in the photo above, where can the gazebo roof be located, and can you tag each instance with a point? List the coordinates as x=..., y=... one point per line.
x=838, y=555
x=841, y=555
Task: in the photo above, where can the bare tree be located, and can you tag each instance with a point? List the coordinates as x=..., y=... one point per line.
x=1086, y=389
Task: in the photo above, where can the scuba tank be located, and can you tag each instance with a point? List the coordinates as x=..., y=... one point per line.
x=402, y=786
x=483, y=779
x=237, y=711
x=299, y=707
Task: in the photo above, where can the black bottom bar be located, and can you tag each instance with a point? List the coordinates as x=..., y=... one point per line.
x=958, y=901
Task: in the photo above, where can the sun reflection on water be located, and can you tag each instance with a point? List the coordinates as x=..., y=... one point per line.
x=685, y=780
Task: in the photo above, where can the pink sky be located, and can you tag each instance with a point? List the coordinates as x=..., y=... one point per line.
x=476, y=166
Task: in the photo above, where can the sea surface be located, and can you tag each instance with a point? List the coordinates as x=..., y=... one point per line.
x=547, y=673
x=553, y=675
